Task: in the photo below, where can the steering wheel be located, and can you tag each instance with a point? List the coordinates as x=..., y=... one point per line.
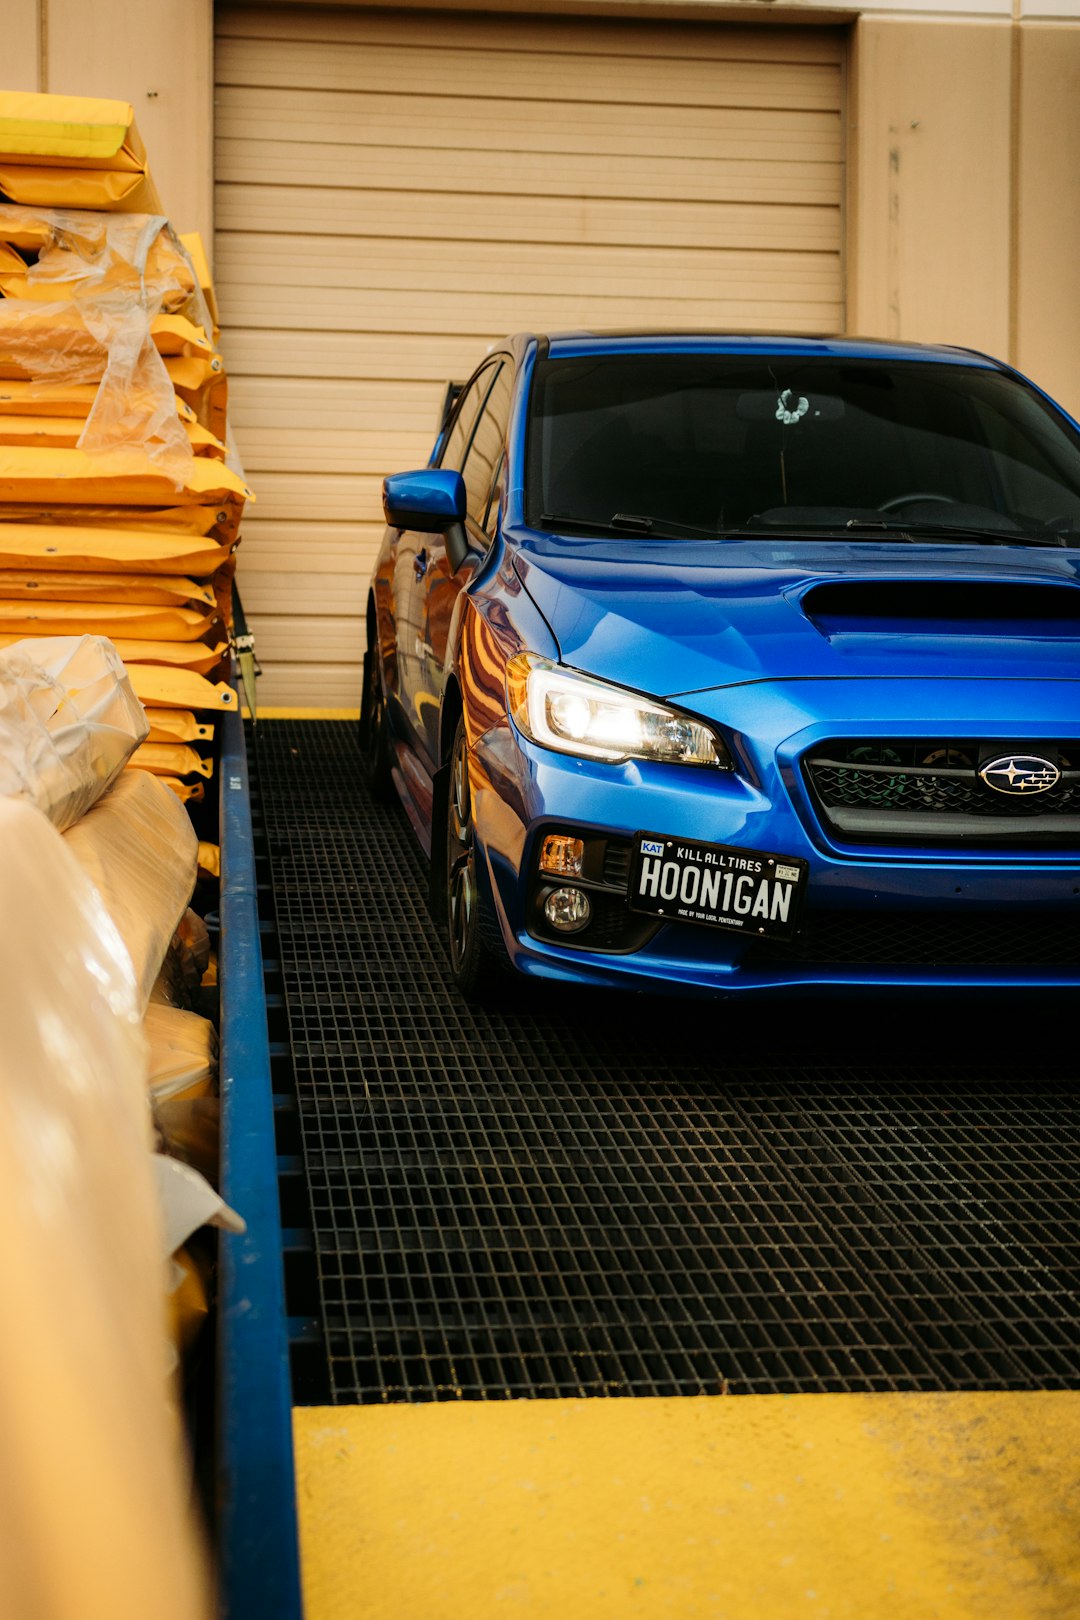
x=916, y=495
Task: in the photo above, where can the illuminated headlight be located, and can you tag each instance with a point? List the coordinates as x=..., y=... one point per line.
x=576, y=714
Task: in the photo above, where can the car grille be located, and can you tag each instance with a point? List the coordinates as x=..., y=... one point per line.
x=927, y=939
x=915, y=791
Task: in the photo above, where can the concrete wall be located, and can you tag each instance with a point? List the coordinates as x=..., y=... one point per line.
x=157, y=54
x=964, y=191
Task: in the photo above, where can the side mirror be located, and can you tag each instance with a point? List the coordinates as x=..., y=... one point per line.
x=431, y=500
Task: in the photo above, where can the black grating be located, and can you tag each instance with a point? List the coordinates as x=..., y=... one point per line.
x=581, y=1194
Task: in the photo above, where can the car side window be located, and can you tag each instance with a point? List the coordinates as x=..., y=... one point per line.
x=485, y=452
x=459, y=438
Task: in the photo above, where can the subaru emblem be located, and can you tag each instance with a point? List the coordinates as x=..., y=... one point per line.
x=1020, y=773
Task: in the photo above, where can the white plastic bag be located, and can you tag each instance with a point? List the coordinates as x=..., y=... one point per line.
x=69, y=723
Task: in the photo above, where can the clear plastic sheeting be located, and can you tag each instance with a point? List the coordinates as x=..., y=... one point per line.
x=94, y=1499
x=188, y=1201
x=139, y=849
x=69, y=723
x=105, y=295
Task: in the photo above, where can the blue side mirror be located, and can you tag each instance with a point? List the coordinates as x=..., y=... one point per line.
x=431, y=500
x=428, y=500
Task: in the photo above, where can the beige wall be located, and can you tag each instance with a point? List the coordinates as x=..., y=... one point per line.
x=964, y=201
x=1048, y=210
x=157, y=54
x=929, y=228
x=964, y=196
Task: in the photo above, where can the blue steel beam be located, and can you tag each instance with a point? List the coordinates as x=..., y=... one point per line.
x=256, y=1482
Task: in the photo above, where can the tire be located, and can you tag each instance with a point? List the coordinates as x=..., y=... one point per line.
x=477, y=971
x=375, y=753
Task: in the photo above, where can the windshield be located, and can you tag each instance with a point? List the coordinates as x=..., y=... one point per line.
x=692, y=443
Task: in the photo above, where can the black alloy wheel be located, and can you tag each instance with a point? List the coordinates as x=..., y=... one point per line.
x=474, y=966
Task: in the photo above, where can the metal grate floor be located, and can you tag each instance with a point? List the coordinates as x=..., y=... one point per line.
x=579, y=1195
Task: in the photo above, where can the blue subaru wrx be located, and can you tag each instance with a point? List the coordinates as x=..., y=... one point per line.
x=739, y=666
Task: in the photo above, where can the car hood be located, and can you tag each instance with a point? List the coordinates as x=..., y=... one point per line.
x=672, y=617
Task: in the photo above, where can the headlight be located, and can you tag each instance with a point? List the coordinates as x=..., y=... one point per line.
x=576, y=714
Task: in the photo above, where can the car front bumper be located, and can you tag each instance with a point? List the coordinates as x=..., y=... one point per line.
x=875, y=918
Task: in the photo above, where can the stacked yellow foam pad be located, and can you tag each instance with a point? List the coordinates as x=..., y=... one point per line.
x=120, y=503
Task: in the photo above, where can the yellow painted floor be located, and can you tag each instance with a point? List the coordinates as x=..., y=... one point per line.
x=305, y=714
x=837, y=1507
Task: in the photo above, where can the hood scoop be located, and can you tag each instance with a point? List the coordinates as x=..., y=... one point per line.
x=944, y=608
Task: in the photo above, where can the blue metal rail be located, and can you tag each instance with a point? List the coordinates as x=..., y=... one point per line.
x=259, y=1556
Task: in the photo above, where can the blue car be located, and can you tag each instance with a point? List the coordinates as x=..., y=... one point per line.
x=739, y=666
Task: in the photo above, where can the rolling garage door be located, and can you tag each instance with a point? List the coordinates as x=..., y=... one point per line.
x=396, y=190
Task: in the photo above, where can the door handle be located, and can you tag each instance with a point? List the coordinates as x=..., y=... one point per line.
x=420, y=563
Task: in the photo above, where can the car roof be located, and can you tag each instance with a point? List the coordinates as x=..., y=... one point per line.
x=568, y=345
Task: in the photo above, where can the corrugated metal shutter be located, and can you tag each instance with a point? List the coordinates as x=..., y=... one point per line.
x=397, y=190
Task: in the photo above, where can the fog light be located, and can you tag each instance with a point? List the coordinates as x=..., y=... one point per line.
x=568, y=910
x=562, y=855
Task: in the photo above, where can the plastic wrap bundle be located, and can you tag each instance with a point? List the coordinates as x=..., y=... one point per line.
x=96, y=1521
x=69, y=723
x=139, y=849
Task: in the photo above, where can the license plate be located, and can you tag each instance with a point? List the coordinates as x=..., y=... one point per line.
x=716, y=884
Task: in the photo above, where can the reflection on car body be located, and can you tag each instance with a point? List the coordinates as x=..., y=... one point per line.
x=730, y=665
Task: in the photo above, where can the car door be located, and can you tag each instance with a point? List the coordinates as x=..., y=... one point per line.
x=478, y=458
x=414, y=556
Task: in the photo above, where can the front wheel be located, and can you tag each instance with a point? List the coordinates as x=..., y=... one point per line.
x=475, y=968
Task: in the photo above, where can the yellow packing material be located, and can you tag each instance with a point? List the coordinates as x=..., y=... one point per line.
x=24, y=397
x=186, y=792
x=27, y=398
x=45, y=186
x=70, y=476
x=192, y=243
x=183, y=1051
x=178, y=688
x=59, y=585
x=209, y=860
x=201, y=382
x=170, y=759
x=40, y=186
x=111, y=548
x=72, y=131
x=187, y=1299
x=176, y=335
x=139, y=849
x=92, y=1441
x=69, y=723
x=202, y=441
x=63, y=433
x=193, y=656
x=177, y=725
x=114, y=619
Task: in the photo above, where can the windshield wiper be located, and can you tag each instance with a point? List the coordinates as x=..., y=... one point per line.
x=953, y=531
x=629, y=523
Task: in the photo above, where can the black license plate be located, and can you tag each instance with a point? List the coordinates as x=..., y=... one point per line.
x=716, y=884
